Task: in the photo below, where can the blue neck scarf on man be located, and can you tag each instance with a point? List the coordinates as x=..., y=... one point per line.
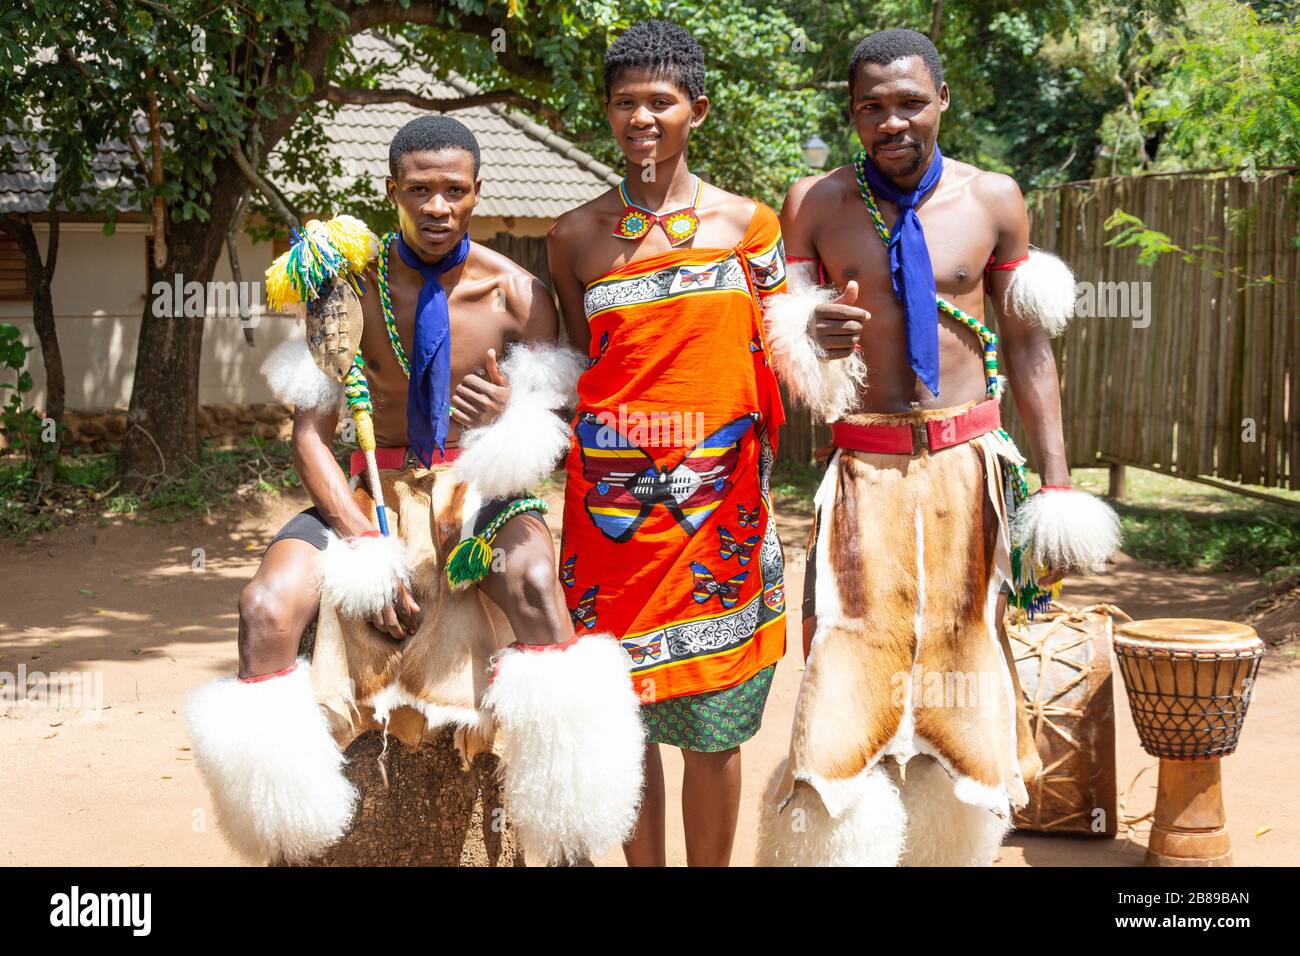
x=910, y=270
x=428, y=393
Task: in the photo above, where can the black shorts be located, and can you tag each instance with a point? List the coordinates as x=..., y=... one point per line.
x=310, y=526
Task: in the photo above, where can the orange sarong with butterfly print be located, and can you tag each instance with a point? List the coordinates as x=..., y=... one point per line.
x=669, y=542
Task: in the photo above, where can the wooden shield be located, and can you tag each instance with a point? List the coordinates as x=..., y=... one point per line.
x=334, y=322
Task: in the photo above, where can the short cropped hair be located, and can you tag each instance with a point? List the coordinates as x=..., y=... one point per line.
x=887, y=46
x=433, y=133
x=665, y=48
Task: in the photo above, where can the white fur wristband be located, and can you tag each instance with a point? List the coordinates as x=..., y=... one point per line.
x=827, y=386
x=1066, y=529
x=360, y=575
x=527, y=440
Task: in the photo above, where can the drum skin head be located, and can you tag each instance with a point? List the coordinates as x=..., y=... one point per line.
x=1189, y=630
x=334, y=322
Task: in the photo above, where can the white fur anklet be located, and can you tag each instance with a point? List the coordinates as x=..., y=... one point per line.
x=264, y=749
x=572, y=745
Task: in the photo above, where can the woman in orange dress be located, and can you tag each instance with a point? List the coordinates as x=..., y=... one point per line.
x=669, y=543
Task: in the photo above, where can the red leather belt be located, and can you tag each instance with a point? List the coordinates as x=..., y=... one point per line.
x=399, y=459
x=907, y=439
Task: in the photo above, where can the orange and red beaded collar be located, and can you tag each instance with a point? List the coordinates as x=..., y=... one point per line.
x=679, y=225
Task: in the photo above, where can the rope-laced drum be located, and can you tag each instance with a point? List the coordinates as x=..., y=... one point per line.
x=1064, y=665
x=1189, y=683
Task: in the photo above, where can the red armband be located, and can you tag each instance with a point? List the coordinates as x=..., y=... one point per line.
x=821, y=269
x=990, y=267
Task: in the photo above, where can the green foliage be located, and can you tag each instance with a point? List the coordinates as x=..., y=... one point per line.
x=87, y=486
x=1185, y=524
x=1258, y=540
x=1223, y=88
x=21, y=426
x=1151, y=243
x=795, y=481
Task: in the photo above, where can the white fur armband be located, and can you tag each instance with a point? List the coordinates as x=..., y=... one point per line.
x=828, y=386
x=1042, y=289
x=1061, y=529
x=296, y=380
x=572, y=746
x=275, y=773
x=360, y=575
x=527, y=439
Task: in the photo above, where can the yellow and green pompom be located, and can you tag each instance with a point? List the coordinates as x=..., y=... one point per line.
x=279, y=289
x=322, y=251
x=469, y=562
x=354, y=241
x=471, y=559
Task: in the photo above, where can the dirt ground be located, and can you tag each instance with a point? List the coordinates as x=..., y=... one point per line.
x=141, y=605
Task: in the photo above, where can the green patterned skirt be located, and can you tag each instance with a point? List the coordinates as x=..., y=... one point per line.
x=712, y=721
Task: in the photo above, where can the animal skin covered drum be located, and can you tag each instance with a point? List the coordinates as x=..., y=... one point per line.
x=1063, y=662
x=1189, y=683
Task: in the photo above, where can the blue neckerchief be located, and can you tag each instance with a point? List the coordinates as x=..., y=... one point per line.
x=910, y=270
x=428, y=393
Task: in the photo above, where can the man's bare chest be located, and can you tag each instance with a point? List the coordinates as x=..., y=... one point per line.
x=960, y=236
x=478, y=320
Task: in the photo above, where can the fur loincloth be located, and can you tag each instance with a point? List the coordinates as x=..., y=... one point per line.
x=908, y=659
x=435, y=678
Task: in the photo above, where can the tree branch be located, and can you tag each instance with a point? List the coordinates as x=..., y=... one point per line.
x=432, y=14
x=278, y=202
x=156, y=179
x=131, y=141
x=51, y=242
x=361, y=97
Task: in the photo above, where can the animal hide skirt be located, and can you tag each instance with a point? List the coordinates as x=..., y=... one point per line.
x=908, y=659
x=436, y=677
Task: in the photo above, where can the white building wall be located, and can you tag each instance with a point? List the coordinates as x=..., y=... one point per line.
x=100, y=291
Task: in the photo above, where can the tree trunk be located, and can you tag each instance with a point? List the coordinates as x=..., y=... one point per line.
x=423, y=808
x=40, y=275
x=161, y=439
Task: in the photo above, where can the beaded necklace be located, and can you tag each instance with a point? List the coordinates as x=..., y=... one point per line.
x=355, y=386
x=386, y=304
x=989, y=338
x=678, y=225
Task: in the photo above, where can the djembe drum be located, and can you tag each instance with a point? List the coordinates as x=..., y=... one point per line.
x=1189, y=683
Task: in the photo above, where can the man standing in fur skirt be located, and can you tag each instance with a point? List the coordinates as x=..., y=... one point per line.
x=910, y=743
